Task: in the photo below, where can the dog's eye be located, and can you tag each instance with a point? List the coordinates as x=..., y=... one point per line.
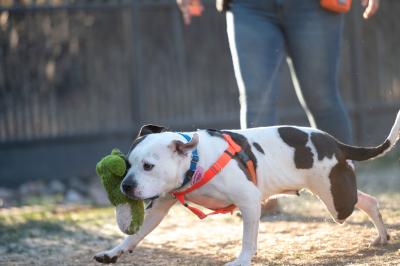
x=148, y=166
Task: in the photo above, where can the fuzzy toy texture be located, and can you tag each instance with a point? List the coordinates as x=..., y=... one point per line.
x=129, y=213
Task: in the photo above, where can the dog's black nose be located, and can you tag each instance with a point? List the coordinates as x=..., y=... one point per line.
x=129, y=186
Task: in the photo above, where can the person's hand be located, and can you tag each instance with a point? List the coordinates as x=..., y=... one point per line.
x=371, y=6
x=184, y=6
x=190, y=8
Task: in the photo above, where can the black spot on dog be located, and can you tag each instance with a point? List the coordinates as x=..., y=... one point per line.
x=243, y=143
x=303, y=156
x=325, y=145
x=343, y=189
x=342, y=176
x=258, y=147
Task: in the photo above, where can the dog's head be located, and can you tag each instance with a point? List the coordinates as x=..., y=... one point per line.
x=158, y=160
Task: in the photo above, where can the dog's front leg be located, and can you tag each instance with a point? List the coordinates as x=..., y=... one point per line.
x=249, y=204
x=153, y=217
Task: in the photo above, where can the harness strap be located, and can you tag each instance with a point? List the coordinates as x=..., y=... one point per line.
x=193, y=163
x=214, y=169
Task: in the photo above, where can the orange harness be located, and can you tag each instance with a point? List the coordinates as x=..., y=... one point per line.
x=232, y=150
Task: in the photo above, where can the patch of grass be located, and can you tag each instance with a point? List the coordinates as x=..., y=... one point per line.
x=48, y=201
x=15, y=233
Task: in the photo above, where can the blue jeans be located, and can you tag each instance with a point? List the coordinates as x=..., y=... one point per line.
x=261, y=33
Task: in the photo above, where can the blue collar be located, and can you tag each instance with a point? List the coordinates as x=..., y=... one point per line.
x=193, y=163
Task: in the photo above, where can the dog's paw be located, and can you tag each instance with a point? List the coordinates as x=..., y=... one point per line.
x=106, y=258
x=380, y=241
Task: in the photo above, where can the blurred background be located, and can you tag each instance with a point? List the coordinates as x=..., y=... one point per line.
x=79, y=77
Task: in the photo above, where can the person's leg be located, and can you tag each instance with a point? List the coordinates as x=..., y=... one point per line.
x=256, y=43
x=257, y=48
x=313, y=38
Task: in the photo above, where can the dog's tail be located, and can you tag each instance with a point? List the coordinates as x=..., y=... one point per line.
x=366, y=153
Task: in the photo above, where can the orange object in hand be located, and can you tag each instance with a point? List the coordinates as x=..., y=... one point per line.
x=339, y=6
x=196, y=8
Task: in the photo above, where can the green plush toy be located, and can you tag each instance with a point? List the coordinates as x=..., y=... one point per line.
x=129, y=212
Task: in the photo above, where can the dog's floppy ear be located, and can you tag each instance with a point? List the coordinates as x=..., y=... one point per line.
x=183, y=148
x=146, y=130
x=149, y=129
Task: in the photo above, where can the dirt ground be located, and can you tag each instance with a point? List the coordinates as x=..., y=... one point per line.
x=302, y=234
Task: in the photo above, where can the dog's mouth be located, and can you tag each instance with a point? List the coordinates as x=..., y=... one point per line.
x=134, y=197
x=153, y=198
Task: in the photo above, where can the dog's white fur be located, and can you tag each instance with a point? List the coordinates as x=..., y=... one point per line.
x=276, y=173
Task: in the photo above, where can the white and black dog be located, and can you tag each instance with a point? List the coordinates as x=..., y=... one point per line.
x=286, y=158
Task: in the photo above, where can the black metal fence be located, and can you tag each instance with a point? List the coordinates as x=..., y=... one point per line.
x=79, y=77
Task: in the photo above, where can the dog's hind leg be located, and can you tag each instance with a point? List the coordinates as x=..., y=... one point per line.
x=369, y=205
x=325, y=196
x=365, y=202
x=152, y=218
x=338, y=190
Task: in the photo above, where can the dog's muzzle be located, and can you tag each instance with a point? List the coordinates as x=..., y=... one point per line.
x=128, y=187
